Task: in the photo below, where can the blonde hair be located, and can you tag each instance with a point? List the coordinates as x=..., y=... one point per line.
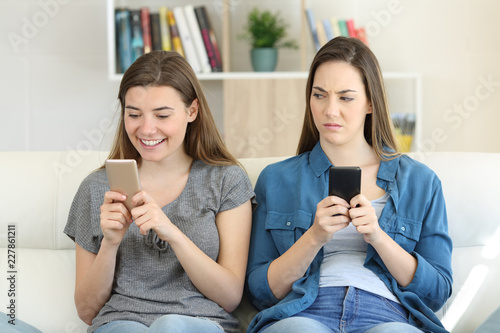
x=378, y=128
x=167, y=68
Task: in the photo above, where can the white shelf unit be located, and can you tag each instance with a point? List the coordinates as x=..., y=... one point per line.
x=220, y=77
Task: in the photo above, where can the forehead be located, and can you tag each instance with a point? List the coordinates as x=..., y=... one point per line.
x=335, y=75
x=144, y=93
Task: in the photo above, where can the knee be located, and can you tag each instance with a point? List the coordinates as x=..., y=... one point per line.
x=169, y=323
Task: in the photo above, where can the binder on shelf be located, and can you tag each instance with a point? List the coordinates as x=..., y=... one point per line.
x=146, y=30
x=155, y=31
x=164, y=29
x=343, y=28
x=174, y=34
x=335, y=27
x=123, y=35
x=137, y=38
x=327, y=26
x=351, y=30
x=187, y=41
x=320, y=30
x=194, y=29
x=209, y=39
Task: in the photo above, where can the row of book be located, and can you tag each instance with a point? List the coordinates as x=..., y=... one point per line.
x=324, y=30
x=184, y=29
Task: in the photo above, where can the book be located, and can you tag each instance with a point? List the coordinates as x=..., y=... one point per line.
x=343, y=28
x=154, y=18
x=146, y=30
x=186, y=39
x=361, y=35
x=351, y=29
x=320, y=31
x=164, y=29
x=174, y=33
x=209, y=39
x=312, y=27
x=335, y=27
x=327, y=26
x=124, y=57
x=194, y=29
x=137, y=42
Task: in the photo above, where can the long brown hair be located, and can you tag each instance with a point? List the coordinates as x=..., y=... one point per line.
x=378, y=128
x=167, y=68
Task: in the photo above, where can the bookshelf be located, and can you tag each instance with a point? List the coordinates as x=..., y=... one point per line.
x=255, y=105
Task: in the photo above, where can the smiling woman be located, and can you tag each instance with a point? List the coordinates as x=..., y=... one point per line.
x=182, y=249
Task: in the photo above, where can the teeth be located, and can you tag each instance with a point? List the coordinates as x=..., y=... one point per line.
x=151, y=142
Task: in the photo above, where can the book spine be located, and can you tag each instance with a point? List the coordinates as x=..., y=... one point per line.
x=164, y=29
x=155, y=31
x=137, y=41
x=328, y=29
x=361, y=35
x=312, y=27
x=320, y=30
x=205, y=34
x=174, y=34
x=343, y=28
x=335, y=27
x=351, y=28
x=213, y=39
x=123, y=40
x=146, y=29
x=187, y=41
x=195, y=31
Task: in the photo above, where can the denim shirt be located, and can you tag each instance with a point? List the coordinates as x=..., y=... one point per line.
x=287, y=193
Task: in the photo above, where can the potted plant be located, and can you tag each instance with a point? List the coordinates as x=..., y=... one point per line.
x=266, y=32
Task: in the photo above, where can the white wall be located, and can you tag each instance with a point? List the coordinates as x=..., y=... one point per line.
x=55, y=93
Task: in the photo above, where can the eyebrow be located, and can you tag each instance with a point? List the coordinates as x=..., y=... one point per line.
x=338, y=92
x=161, y=108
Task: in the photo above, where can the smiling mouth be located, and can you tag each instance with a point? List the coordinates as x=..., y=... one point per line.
x=152, y=143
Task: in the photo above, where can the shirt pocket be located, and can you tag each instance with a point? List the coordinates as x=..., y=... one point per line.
x=287, y=228
x=406, y=232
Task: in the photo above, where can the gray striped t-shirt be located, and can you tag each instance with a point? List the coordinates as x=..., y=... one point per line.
x=149, y=280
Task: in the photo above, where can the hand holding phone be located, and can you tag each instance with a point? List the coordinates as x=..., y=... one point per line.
x=123, y=177
x=345, y=182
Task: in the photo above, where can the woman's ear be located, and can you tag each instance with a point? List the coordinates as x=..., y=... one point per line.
x=193, y=110
x=370, y=110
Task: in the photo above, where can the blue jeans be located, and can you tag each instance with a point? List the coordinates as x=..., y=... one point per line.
x=17, y=325
x=165, y=324
x=346, y=310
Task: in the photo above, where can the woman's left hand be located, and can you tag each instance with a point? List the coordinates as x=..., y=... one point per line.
x=149, y=215
x=364, y=218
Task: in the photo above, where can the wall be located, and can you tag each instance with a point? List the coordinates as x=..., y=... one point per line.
x=55, y=93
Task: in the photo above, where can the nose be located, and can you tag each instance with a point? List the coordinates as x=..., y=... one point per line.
x=332, y=109
x=148, y=125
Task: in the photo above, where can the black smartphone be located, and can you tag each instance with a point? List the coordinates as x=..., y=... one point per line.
x=345, y=182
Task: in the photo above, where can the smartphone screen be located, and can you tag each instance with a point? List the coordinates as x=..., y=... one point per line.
x=345, y=182
x=123, y=177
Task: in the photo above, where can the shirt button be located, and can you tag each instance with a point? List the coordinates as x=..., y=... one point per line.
x=403, y=229
x=288, y=223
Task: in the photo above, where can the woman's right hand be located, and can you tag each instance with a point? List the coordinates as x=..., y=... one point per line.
x=332, y=215
x=115, y=217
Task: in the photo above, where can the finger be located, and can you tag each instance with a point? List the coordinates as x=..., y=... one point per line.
x=111, y=196
x=141, y=198
x=331, y=201
x=360, y=200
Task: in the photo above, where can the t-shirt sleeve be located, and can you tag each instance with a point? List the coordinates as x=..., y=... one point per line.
x=236, y=188
x=83, y=225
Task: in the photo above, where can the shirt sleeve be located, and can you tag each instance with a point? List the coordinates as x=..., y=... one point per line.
x=236, y=188
x=83, y=225
x=433, y=278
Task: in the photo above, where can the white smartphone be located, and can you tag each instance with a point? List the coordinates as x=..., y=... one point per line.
x=123, y=177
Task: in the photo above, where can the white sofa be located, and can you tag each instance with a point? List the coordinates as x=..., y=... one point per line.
x=37, y=189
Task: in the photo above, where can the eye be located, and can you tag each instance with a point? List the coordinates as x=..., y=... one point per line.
x=318, y=95
x=133, y=115
x=163, y=116
x=346, y=99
